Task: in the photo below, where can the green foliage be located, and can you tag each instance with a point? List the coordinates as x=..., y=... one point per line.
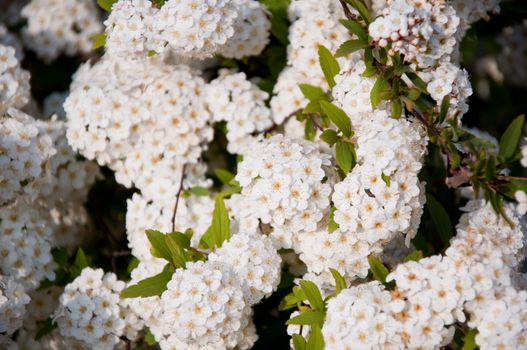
x=349, y=47
x=469, y=341
x=380, y=272
x=224, y=176
x=329, y=136
x=106, y=5
x=416, y=255
x=355, y=28
x=313, y=295
x=340, y=282
x=45, y=327
x=329, y=65
x=332, y=225
x=150, y=286
x=308, y=318
x=338, y=117
x=98, y=40
x=361, y=7
x=299, y=343
x=510, y=139
x=219, y=230
x=79, y=263
x=315, y=340
x=345, y=156
x=199, y=191
x=279, y=21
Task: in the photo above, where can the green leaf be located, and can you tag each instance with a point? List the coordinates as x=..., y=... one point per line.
x=345, y=155
x=199, y=191
x=445, y=104
x=46, y=327
x=219, y=230
x=350, y=46
x=307, y=318
x=362, y=9
x=375, y=94
x=386, y=179
x=60, y=256
x=79, y=263
x=309, y=130
x=312, y=93
x=416, y=255
x=397, y=108
x=150, y=339
x=379, y=271
x=490, y=170
x=159, y=247
x=106, y=5
x=315, y=340
x=340, y=282
x=134, y=262
x=355, y=28
x=313, y=295
x=151, y=286
x=312, y=107
x=329, y=136
x=469, y=340
x=332, y=225
x=440, y=218
x=418, y=82
x=510, y=139
x=224, y=176
x=98, y=40
x=299, y=343
x=179, y=258
x=337, y=116
x=329, y=65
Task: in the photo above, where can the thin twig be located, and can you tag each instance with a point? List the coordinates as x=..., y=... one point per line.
x=315, y=122
x=177, y=198
x=289, y=116
x=347, y=11
x=506, y=178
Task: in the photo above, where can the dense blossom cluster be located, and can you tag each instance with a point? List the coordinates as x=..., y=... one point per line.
x=13, y=302
x=69, y=30
x=14, y=81
x=239, y=102
x=420, y=31
x=474, y=278
x=89, y=310
x=145, y=119
x=286, y=183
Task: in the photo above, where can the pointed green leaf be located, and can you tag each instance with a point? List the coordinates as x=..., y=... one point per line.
x=307, y=318
x=309, y=130
x=150, y=339
x=510, y=139
x=332, y=225
x=397, y=108
x=469, y=340
x=350, y=46
x=329, y=136
x=345, y=156
x=199, y=191
x=338, y=117
x=329, y=65
x=106, y=5
x=315, y=340
x=224, y=176
x=98, y=40
x=355, y=28
x=416, y=255
x=375, y=94
x=445, y=104
x=79, y=263
x=219, y=230
x=159, y=247
x=340, y=282
x=313, y=295
x=299, y=343
x=46, y=327
x=312, y=93
x=362, y=9
x=151, y=286
x=378, y=269
x=179, y=258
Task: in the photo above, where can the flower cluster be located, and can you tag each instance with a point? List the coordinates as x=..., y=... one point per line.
x=473, y=278
x=68, y=31
x=24, y=155
x=189, y=28
x=203, y=306
x=239, y=102
x=287, y=184
x=472, y=11
x=89, y=310
x=144, y=119
x=13, y=301
x=314, y=23
x=254, y=260
x=14, y=81
x=251, y=30
x=422, y=31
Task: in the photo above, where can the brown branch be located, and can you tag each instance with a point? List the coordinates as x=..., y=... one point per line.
x=315, y=122
x=347, y=11
x=177, y=197
x=509, y=178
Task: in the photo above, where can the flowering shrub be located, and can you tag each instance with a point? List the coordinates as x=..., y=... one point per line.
x=237, y=174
